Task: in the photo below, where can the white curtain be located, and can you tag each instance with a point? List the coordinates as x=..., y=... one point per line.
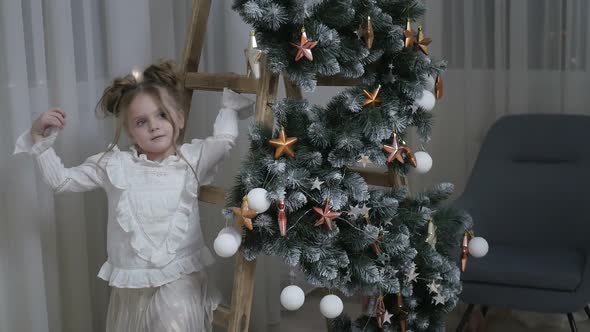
x=504, y=57
x=63, y=53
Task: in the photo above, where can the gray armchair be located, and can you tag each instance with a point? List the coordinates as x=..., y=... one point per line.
x=529, y=195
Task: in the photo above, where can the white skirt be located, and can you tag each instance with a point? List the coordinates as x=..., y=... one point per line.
x=185, y=305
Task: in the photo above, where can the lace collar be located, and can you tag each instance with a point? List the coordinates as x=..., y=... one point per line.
x=142, y=158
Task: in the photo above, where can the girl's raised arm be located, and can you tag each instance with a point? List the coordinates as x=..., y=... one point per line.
x=87, y=176
x=205, y=154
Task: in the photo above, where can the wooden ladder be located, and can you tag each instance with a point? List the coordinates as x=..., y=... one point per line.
x=236, y=317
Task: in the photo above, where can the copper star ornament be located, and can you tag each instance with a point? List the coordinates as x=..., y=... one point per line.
x=283, y=144
x=438, y=87
x=409, y=35
x=327, y=216
x=372, y=98
x=304, y=47
x=244, y=215
x=399, y=153
x=367, y=33
x=423, y=42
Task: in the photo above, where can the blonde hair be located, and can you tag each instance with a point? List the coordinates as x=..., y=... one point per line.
x=160, y=81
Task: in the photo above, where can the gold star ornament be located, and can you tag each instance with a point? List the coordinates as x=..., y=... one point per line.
x=422, y=42
x=372, y=98
x=283, y=144
x=244, y=215
x=304, y=47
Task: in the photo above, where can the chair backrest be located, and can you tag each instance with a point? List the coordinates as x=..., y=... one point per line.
x=531, y=181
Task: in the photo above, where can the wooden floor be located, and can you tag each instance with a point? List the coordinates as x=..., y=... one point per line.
x=308, y=318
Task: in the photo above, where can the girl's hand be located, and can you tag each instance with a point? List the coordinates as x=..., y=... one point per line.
x=55, y=117
x=237, y=102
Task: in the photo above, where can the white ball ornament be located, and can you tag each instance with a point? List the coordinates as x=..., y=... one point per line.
x=292, y=297
x=423, y=162
x=426, y=101
x=225, y=245
x=233, y=232
x=478, y=247
x=331, y=306
x=257, y=200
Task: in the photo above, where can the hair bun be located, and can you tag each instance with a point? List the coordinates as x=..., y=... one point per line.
x=109, y=103
x=163, y=73
x=160, y=75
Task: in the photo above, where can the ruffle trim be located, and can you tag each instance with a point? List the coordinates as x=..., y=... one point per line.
x=141, y=278
x=24, y=143
x=45, y=143
x=142, y=159
x=178, y=225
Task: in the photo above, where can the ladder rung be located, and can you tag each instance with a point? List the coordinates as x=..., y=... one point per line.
x=375, y=177
x=211, y=194
x=216, y=82
x=338, y=81
x=221, y=316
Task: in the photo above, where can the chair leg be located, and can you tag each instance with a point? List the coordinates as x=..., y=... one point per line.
x=484, y=310
x=587, y=310
x=465, y=318
x=573, y=326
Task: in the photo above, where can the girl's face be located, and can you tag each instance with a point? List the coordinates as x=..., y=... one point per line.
x=149, y=127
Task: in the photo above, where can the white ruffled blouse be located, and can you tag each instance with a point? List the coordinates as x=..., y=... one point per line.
x=153, y=232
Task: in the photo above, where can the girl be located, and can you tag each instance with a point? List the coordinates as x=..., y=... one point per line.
x=156, y=253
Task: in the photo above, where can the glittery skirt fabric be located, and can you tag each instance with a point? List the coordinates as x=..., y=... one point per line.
x=184, y=305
